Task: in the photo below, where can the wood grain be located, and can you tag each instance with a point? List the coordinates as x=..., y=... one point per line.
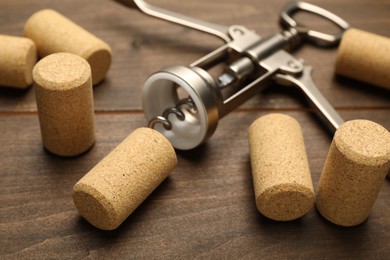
x=206, y=208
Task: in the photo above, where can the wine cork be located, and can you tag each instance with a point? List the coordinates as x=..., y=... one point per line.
x=18, y=56
x=52, y=32
x=63, y=91
x=281, y=175
x=119, y=183
x=355, y=168
x=364, y=56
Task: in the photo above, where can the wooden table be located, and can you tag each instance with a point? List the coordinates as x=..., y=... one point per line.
x=206, y=208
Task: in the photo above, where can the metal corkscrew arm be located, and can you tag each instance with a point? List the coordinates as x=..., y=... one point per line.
x=254, y=63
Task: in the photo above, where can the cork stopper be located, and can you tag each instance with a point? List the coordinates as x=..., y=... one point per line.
x=280, y=170
x=119, y=183
x=52, y=32
x=364, y=56
x=355, y=168
x=63, y=91
x=18, y=56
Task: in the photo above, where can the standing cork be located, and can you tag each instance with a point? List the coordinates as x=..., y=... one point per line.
x=281, y=174
x=364, y=56
x=63, y=91
x=119, y=183
x=18, y=56
x=355, y=168
x=52, y=32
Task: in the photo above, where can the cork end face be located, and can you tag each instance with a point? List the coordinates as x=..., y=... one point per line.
x=32, y=29
x=275, y=121
x=340, y=67
x=285, y=202
x=96, y=209
x=43, y=12
x=364, y=142
x=61, y=71
x=100, y=62
x=30, y=61
x=157, y=137
x=364, y=56
x=27, y=29
x=18, y=56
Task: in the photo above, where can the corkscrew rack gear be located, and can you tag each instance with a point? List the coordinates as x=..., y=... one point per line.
x=253, y=62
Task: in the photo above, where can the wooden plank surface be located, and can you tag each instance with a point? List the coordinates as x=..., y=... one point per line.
x=206, y=208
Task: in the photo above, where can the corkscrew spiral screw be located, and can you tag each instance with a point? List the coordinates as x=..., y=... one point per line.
x=176, y=110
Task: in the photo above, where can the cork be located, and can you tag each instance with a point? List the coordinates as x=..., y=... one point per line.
x=119, y=183
x=18, y=56
x=63, y=91
x=355, y=168
x=52, y=32
x=280, y=170
x=364, y=56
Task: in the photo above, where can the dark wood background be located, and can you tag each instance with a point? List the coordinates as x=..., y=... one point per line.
x=206, y=208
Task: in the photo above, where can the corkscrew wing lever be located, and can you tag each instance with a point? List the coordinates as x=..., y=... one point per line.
x=173, y=17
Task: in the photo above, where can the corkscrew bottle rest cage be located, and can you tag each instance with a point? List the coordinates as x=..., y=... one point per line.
x=253, y=63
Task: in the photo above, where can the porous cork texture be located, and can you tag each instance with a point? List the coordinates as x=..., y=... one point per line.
x=119, y=183
x=63, y=92
x=355, y=168
x=53, y=32
x=18, y=56
x=364, y=56
x=280, y=170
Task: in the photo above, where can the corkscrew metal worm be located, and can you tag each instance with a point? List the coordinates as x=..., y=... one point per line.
x=253, y=62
